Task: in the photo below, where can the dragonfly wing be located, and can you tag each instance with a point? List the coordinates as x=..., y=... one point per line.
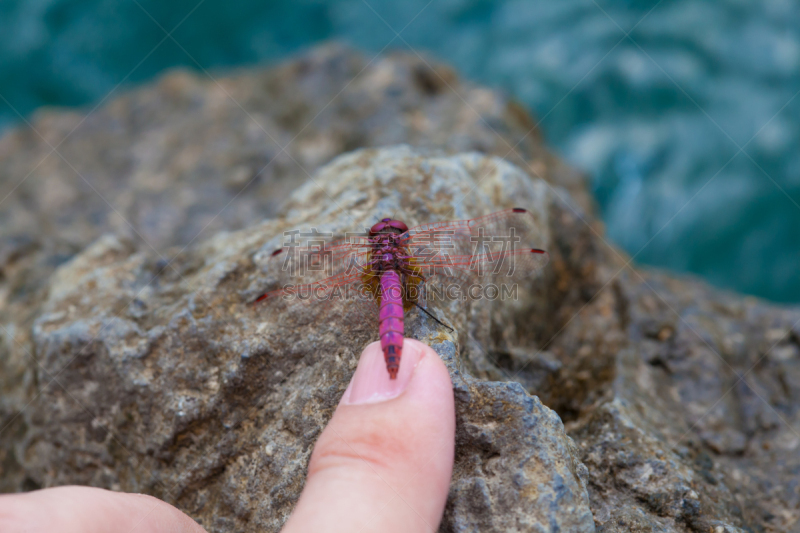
x=313, y=261
x=481, y=270
x=343, y=295
x=309, y=272
x=495, y=247
x=501, y=232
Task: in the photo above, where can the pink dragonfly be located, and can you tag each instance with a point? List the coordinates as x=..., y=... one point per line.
x=392, y=269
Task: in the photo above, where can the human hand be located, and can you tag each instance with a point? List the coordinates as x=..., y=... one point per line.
x=383, y=463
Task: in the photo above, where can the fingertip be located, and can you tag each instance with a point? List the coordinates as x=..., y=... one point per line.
x=372, y=383
x=420, y=347
x=431, y=388
x=384, y=465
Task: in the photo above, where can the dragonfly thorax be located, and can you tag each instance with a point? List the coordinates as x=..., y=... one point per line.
x=387, y=252
x=387, y=249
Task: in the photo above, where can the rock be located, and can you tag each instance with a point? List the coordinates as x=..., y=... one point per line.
x=516, y=470
x=143, y=368
x=172, y=383
x=683, y=417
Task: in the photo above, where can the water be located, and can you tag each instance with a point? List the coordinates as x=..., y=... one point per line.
x=688, y=128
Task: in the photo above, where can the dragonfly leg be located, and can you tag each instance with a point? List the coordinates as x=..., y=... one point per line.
x=433, y=317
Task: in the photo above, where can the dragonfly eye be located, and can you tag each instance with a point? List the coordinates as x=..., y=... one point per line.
x=377, y=228
x=387, y=223
x=396, y=224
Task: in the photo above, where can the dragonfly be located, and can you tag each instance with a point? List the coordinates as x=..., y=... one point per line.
x=383, y=273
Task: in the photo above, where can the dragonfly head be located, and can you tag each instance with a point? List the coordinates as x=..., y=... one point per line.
x=387, y=225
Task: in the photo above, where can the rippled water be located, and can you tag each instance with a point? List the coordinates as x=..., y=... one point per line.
x=683, y=112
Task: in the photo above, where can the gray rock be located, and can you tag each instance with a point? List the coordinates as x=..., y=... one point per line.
x=214, y=405
x=683, y=403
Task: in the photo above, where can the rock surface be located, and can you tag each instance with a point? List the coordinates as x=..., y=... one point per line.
x=131, y=365
x=174, y=384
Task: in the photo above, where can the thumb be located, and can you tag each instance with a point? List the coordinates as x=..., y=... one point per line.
x=384, y=461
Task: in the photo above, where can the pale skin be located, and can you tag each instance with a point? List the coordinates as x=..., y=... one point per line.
x=383, y=463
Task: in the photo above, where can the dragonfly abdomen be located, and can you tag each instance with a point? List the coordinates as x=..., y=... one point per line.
x=391, y=321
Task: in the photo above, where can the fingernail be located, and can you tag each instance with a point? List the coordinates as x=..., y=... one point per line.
x=371, y=383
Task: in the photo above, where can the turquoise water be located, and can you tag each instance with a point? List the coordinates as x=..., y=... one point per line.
x=657, y=119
